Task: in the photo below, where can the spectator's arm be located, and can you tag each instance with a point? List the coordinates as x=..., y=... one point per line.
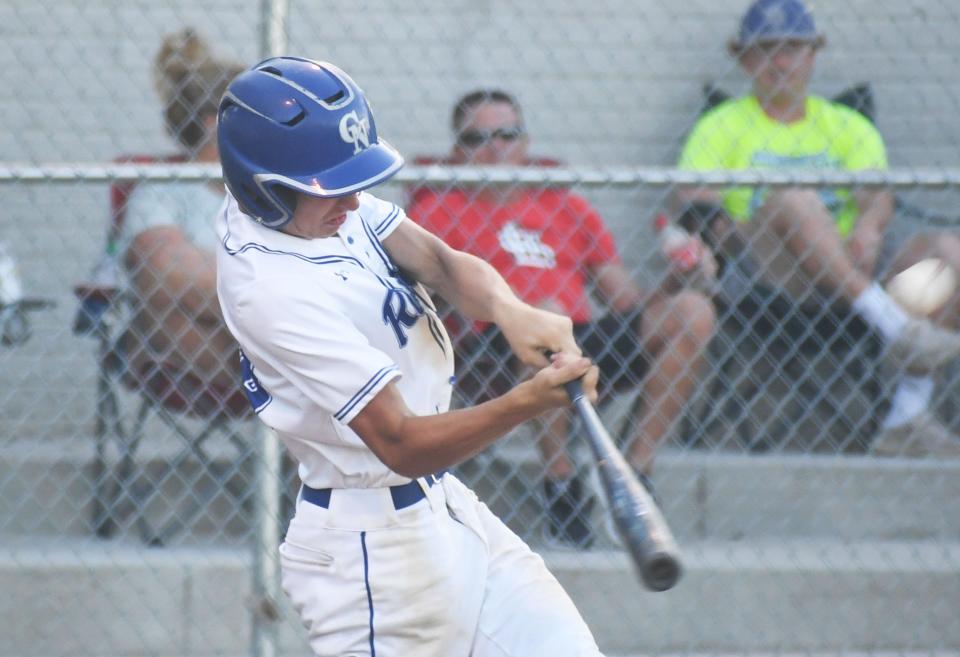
x=866, y=240
x=617, y=288
x=683, y=196
x=864, y=149
x=167, y=270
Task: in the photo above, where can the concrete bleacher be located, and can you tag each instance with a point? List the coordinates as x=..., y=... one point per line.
x=807, y=554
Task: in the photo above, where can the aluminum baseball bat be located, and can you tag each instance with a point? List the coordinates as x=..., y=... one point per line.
x=640, y=523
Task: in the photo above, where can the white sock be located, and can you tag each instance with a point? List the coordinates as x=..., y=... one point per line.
x=912, y=397
x=881, y=311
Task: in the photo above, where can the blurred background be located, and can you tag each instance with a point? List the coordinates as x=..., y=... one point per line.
x=127, y=538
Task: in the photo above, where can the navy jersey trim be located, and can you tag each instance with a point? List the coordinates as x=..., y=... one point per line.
x=256, y=394
x=370, y=385
x=436, y=332
x=383, y=225
x=378, y=247
x=432, y=321
x=366, y=581
x=253, y=246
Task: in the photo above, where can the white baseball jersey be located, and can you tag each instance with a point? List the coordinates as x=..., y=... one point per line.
x=324, y=325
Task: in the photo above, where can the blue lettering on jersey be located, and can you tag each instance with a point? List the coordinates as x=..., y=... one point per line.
x=256, y=395
x=401, y=310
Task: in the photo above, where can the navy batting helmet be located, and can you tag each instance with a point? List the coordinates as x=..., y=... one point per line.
x=294, y=125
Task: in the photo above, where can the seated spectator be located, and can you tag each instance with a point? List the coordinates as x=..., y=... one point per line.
x=819, y=248
x=168, y=240
x=551, y=245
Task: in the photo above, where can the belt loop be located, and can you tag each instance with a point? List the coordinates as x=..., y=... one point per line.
x=433, y=483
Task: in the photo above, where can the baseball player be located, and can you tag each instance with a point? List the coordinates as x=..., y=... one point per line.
x=343, y=355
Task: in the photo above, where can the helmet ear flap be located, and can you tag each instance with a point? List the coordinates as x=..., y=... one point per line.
x=249, y=198
x=286, y=196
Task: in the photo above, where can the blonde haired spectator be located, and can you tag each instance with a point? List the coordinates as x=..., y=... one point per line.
x=167, y=244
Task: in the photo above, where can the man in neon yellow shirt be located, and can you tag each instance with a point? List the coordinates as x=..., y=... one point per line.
x=817, y=247
x=824, y=135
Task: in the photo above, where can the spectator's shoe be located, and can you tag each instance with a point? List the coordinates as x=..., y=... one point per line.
x=924, y=347
x=924, y=435
x=568, y=513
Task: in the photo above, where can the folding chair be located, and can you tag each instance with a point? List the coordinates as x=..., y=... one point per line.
x=124, y=488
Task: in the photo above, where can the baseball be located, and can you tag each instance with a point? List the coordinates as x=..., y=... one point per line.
x=925, y=287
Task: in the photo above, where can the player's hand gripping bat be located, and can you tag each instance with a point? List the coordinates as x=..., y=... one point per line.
x=641, y=525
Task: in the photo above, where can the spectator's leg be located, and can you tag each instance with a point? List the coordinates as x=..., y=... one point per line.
x=795, y=239
x=938, y=244
x=674, y=333
x=553, y=430
x=208, y=350
x=178, y=340
x=566, y=496
x=910, y=428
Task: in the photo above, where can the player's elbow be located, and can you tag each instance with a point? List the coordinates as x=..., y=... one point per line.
x=394, y=434
x=411, y=468
x=403, y=460
x=395, y=453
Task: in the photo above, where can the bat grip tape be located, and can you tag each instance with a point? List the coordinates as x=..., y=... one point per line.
x=574, y=390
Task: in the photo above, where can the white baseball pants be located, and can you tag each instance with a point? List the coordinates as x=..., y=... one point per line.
x=441, y=578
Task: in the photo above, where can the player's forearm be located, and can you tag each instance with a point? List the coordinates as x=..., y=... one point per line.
x=420, y=445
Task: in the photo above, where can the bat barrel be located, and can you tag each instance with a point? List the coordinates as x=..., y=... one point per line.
x=651, y=547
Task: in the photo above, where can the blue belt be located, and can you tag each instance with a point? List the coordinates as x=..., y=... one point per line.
x=403, y=495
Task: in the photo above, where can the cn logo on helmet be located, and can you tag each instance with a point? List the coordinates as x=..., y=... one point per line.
x=355, y=130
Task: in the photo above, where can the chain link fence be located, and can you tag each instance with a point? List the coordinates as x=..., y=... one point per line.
x=140, y=508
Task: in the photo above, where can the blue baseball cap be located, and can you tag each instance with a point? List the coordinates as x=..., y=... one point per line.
x=777, y=20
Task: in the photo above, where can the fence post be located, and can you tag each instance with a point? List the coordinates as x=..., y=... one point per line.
x=266, y=566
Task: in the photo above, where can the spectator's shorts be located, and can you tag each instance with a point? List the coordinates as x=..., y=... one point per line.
x=767, y=312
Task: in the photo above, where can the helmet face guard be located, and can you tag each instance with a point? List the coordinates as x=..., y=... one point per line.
x=292, y=125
